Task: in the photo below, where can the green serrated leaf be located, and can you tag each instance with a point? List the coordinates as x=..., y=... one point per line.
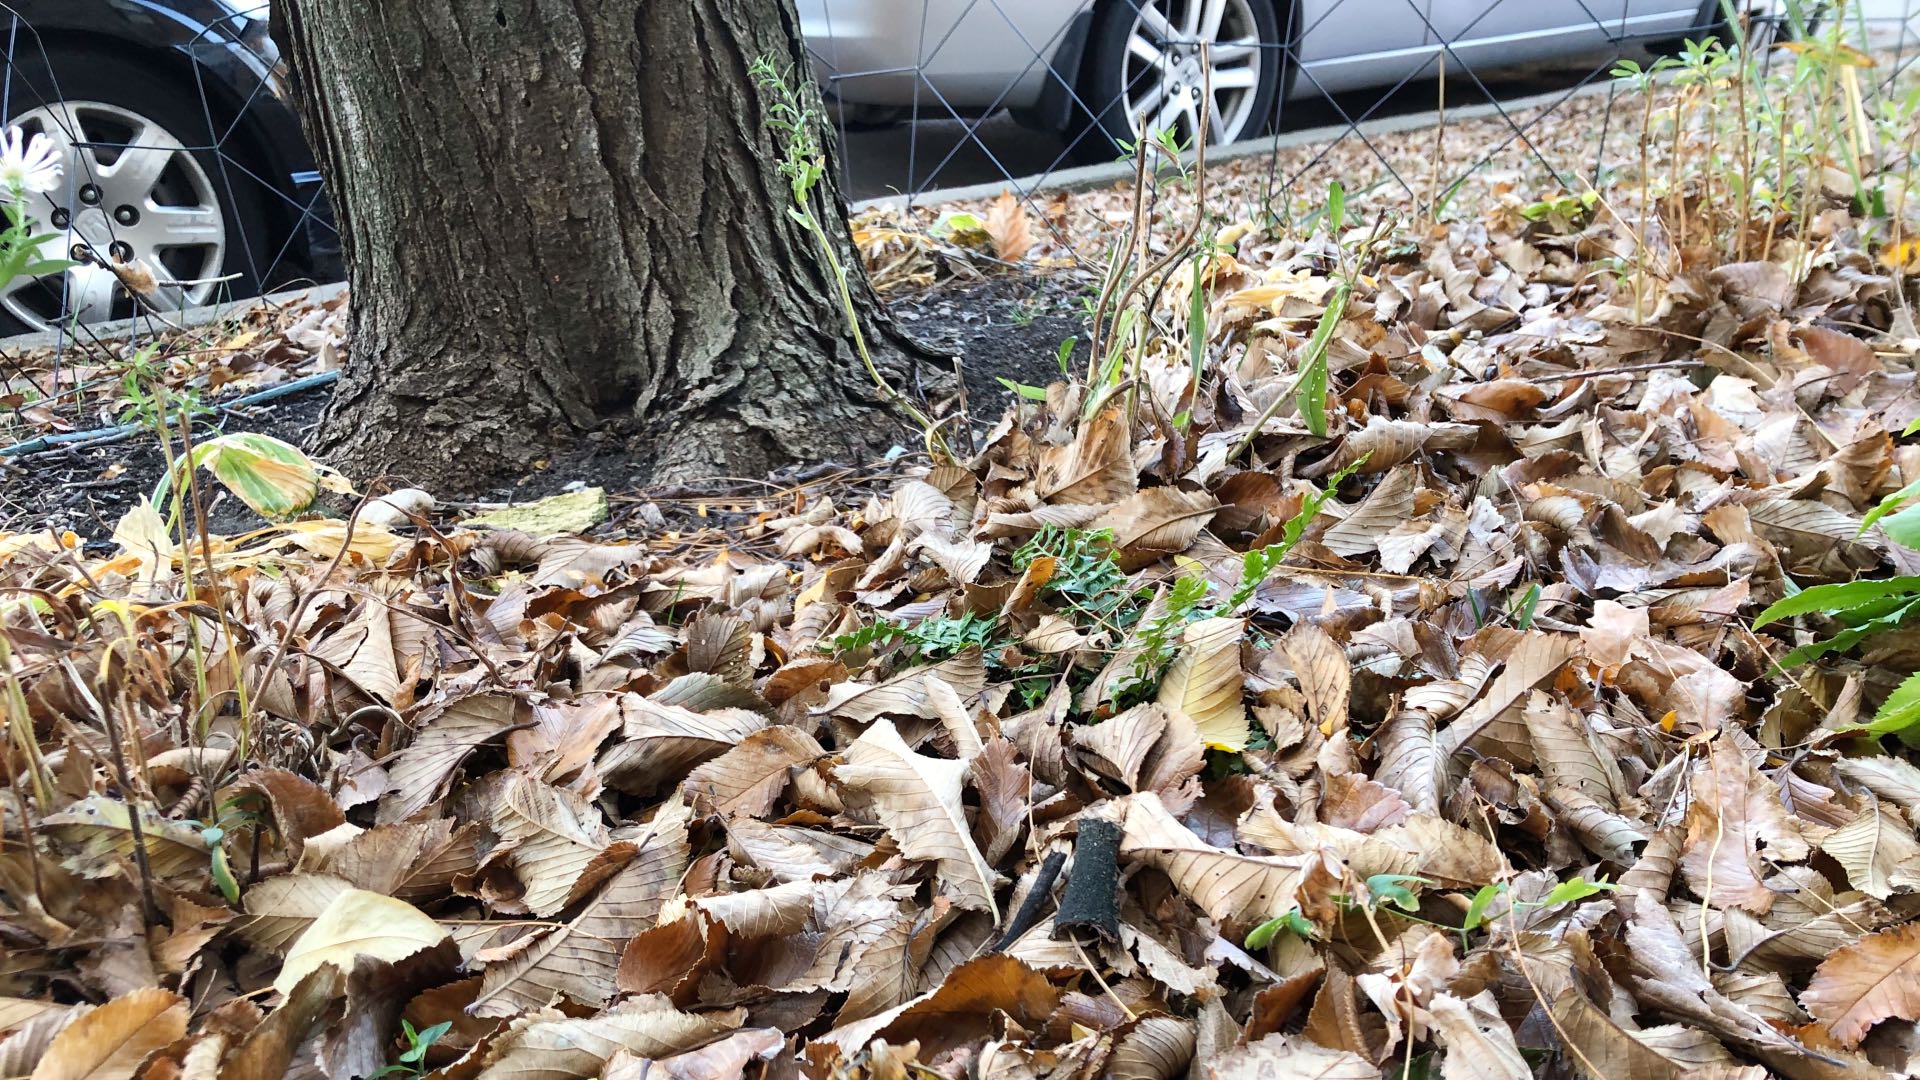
x=1839, y=597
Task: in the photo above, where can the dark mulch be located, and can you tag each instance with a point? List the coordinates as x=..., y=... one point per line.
x=87, y=490
x=1005, y=327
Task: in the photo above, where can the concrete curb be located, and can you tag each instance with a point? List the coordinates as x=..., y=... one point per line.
x=1087, y=177
x=147, y=326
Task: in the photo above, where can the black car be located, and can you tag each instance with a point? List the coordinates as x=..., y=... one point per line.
x=182, y=153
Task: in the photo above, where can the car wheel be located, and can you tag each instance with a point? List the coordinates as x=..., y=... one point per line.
x=140, y=184
x=1149, y=62
x=1764, y=29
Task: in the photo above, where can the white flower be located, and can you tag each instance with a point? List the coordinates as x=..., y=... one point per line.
x=28, y=165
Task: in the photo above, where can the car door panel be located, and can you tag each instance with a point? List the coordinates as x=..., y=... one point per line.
x=1348, y=44
x=1485, y=34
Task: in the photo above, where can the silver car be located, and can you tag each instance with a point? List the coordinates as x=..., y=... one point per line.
x=1058, y=64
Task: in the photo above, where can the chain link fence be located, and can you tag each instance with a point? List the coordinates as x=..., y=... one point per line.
x=1015, y=94
x=188, y=182
x=185, y=178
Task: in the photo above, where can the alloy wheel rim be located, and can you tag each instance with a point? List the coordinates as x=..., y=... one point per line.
x=129, y=189
x=1163, y=77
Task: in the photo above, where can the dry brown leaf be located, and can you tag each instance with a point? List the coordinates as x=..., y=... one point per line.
x=1225, y=884
x=281, y=908
x=1325, y=676
x=1290, y=1056
x=1006, y=793
x=1479, y=1043
x=579, y=958
x=444, y=738
x=748, y=779
x=299, y=808
x=1006, y=223
x=960, y=1010
x=1120, y=744
x=1494, y=724
x=549, y=1045
x=357, y=923
x=1096, y=469
x=1735, y=813
x=25, y=1044
x=98, y=832
x=906, y=693
x=548, y=836
x=110, y=1042
x=268, y=1049
x=1878, y=852
x=1153, y=524
x=1876, y=978
x=660, y=741
x=413, y=861
x=724, y=1059
x=1607, y=1050
x=918, y=799
x=1153, y=1048
x=1384, y=508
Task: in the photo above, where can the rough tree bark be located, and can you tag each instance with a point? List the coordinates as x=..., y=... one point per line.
x=563, y=221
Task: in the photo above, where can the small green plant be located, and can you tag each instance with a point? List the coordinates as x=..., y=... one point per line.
x=1085, y=574
x=145, y=400
x=412, y=1060
x=1293, y=922
x=1865, y=608
x=231, y=816
x=794, y=121
x=930, y=640
x=27, y=165
x=1570, y=891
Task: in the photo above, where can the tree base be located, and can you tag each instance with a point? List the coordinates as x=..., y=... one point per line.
x=796, y=406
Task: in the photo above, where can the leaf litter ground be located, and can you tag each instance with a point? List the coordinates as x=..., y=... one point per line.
x=1096, y=753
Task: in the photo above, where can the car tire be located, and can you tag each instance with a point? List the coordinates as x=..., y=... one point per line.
x=1711, y=22
x=1120, y=76
x=224, y=220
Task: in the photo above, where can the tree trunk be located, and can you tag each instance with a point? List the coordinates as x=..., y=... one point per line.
x=563, y=222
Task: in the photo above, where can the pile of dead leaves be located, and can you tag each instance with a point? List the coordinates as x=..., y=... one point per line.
x=85, y=385
x=1142, y=743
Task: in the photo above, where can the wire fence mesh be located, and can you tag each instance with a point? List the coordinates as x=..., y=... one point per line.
x=1078, y=77
x=184, y=177
x=187, y=181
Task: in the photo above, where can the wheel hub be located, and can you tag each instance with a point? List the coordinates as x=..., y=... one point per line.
x=1178, y=52
x=131, y=191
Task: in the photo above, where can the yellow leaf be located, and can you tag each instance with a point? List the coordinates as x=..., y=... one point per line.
x=358, y=923
x=1204, y=683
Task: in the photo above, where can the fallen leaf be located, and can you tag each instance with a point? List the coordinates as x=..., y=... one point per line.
x=110, y=1042
x=918, y=799
x=1876, y=978
x=357, y=923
